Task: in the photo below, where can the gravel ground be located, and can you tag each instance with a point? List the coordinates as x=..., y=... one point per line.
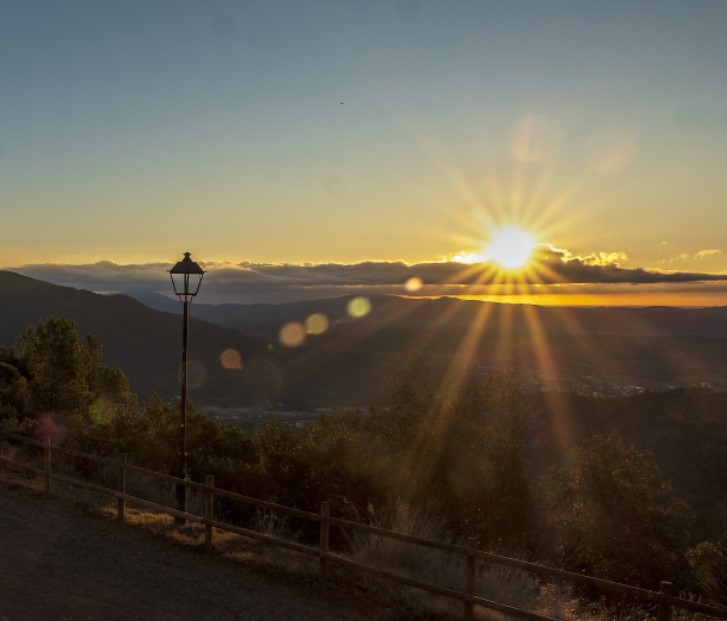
x=59, y=562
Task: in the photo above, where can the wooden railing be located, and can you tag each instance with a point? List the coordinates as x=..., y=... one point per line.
x=664, y=600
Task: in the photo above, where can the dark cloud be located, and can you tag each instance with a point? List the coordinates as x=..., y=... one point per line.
x=252, y=282
x=557, y=266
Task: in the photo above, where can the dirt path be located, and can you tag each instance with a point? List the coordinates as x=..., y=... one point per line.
x=58, y=562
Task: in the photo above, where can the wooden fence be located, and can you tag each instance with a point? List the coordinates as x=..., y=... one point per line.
x=663, y=600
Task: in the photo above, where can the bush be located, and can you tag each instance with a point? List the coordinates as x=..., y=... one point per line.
x=610, y=514
x=708, y=561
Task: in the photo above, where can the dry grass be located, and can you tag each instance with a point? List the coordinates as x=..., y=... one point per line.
x=504, y=585
x=436, y=567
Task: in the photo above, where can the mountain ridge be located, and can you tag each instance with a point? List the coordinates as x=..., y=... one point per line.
x=601, y=350
x=144, y=343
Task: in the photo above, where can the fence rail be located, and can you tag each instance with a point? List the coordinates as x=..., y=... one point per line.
x=663, y=598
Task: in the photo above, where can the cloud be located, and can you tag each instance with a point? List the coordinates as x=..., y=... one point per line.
x=267, y=282
x=685, y=256
x=602, y=258
x=710, y=252
x=560, y=267
x=103, y=276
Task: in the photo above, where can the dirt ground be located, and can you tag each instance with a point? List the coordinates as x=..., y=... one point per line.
x=59, y=562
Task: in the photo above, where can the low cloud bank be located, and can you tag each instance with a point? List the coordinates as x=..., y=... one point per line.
x=264, y=282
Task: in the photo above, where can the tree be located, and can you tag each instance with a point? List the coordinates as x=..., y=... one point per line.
x=57, y=365
x=13, y=390
x=708, y=561
x=462, y=451
x=66, y=374
x=612, y=515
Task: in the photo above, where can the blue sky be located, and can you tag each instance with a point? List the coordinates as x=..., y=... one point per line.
x=346, y=131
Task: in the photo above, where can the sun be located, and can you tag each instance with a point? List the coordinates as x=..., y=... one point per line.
x=510, y=247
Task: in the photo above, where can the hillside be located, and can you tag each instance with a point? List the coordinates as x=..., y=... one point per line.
x=355, y=361
x=146, y=344
x=685, y=430
x=519, y=318
x=607, y=351
x=590, y=350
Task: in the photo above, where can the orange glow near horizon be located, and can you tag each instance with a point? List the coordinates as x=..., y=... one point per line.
x=697, y=299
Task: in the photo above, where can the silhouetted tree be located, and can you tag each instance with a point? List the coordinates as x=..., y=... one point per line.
x=612, y=515
x=66, y=375
x=461, y=451
x=708, y=561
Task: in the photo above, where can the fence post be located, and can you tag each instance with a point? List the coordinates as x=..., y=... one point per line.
x=469, y=589
x=209, y=509
x=47, y=465
x=121, y=486
x=325, y=514
x=664, y=609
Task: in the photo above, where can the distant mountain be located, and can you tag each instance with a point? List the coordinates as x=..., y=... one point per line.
x=154, y=300
x=605, y=351
x=648, y=321
x=592, y=350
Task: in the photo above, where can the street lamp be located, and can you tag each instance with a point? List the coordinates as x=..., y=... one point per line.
x=186, y=278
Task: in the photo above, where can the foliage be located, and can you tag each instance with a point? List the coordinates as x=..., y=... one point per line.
x=457, y=453
x=66, y=375
x=13, y=390
x=453, y=444
x=309, y=465
x=708, y=561
x=612, y=515
x=461, y=446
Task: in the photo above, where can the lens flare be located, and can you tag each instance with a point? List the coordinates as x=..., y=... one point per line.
x=359, y=307
x=196, y=374
x=335, y=186
x=413, y=284
x=231, y=359
x=610, y=150
x=49, y=426
x=292, y=334
x=316, y=324
x=535, y=139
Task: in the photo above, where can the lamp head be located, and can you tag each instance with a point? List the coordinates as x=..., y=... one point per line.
x=186, y=278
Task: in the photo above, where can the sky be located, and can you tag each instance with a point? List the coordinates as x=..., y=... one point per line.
x=377, y=138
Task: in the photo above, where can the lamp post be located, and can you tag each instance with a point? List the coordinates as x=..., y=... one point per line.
x=186, y=278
